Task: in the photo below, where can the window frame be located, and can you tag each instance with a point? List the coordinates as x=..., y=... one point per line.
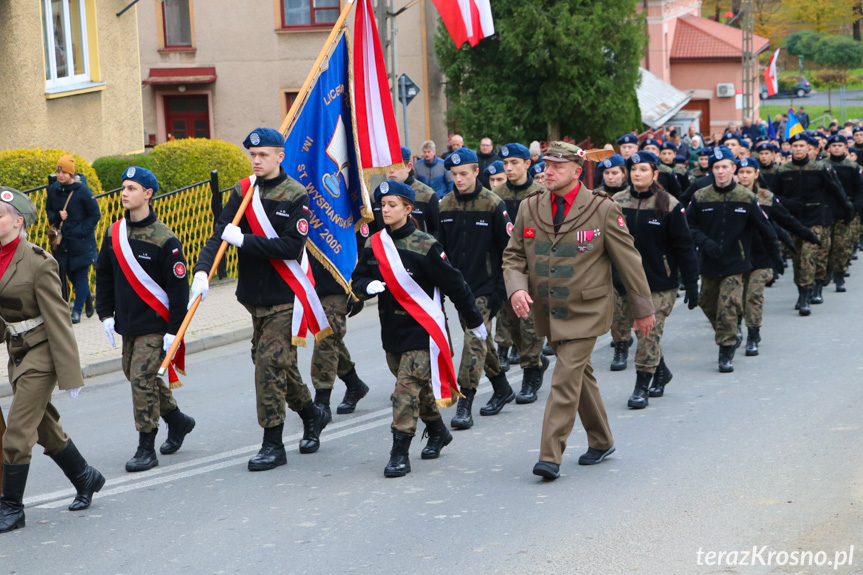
x=52, y=82
x=162, y=26
x=313, y=25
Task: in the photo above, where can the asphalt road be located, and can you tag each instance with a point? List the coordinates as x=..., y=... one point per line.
x=854, y=98
x=768, y=456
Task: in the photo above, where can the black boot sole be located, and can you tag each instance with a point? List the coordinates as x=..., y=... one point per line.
x=137, y=468
x=96, y=489
x=617, y=367
x=461, y=425
x=397, y=472
x=751, y=352
x=728, y=369
x=435, y=454
x=345, y=409
x=171, y=449
x=20, y=524
x=656, y=392
x=268, y=466
x=485, y=410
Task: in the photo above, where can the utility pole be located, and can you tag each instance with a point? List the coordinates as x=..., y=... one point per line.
x=750, y=66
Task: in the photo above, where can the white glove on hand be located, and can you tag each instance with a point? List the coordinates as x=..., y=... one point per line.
x=376, y=287
x=108, y=326
x=168, y=341
x=480, y=331
x=73, y=393
x=233, y=235
x=200, y=287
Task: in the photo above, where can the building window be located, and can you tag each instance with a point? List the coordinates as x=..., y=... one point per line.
x=187, y=117
x=64, y=30
x=309, y=13
x=177, y=23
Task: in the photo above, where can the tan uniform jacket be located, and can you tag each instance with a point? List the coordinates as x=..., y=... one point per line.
x=567, y=275
x=30, y=288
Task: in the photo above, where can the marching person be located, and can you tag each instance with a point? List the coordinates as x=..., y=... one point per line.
x=42, y=353
x=474, y=231
x=767, y=166
x=722, y=218
x=143, y=293
x=270, y=242
x=558, y=264
x=407, y=269
x=495, y=174
x=657, y=223
x=426, y=211
x=851, y=177
x=667, y=154
x=667, y=178
x=703, y=155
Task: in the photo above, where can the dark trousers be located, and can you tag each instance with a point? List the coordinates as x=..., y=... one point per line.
x=81, y=282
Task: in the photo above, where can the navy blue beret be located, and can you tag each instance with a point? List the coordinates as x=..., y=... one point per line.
x=648, y=142
x=759, y=139
x=747, y=163
x=536, y=168
x=857, y=129
x=745, y=144
x=799, y=137
x=731, y=136
x=642, y=158
x=837, y=139
x=612, y=162
x=461, y=156
x=705, y=151
x=628, y=139
x=406, y=154
x=679, y=159
x=141, y=175
x=514, y=151
x=668, y=146
x=264, y=137
x=764, y=147
x=495, y=167
x=720, y=153
x=395, y=188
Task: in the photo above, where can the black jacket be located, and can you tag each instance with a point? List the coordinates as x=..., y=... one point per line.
x=160, y=254
x=78, y=247
x=779, y=215
x=424, y=260
x=697, y=184
x=485, y=160
x=425, y=210
x=803, y=187
x=668, y=180
x=850, y=175
x=727, y=217
x=512, y=195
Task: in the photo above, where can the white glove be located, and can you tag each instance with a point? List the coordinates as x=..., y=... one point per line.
x=480, y=332
x=376, y=287
x=233, y=235
x=73, y=393
x=167, y=341
x=200, y=287
x=108, y=326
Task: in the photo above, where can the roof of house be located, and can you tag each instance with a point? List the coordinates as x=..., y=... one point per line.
x=698, y=38
x=659, y=101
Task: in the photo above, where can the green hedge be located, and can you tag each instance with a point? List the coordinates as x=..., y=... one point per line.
x=111, y=168
x=179, y=163
x=26, y=168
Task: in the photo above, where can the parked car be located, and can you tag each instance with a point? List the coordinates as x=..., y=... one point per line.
x=787, y=89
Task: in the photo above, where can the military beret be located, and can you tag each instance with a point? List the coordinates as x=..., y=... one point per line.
x=514, y=151
x=705, y=151
x=395, y=188
x=764, y=147
x=747, y=163
x=745, y=144
x=460, y=157
x=21, y=202
x=785, y=153
x=141, y=175
x=678, y=159
x=628, y=139
x=648, y=142
x=852, y=150
x=642, y=157
x=720, y=153
x=611, y=162
x=495, y=167
x=759, y=139
x=406, y=154
x=264, y=137
x=817, y=134
x=837, y=139
x=731, y=136
x=564, y=152
x=668, y=146
x=536, y=168
x=857, y=129
x=799, y=137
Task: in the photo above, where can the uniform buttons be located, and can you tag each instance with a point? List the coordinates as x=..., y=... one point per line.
x=551, y=291
x=17, y=361
x=552, y=270
x=554, y=248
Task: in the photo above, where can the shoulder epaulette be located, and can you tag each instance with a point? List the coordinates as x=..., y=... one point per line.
x=40, y=252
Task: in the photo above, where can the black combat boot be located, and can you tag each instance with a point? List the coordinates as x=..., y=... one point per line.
x=839, y=279
x=12, y=497
x=272, y=453
x=547, y=349
x=799, y=298
x=531, y=381
x=805, y=294
x=621, y=354
x=738, y=339
x=179, y=426
x=88, y=306
x=502, y=395
x=356, y=390
x=322, y=399
x=503, y=357
x=399, y=464
x=315, y=419
x=514, y=356
x=816, y=297
x=660, y=379
x=753, y=338
x=84, y=478
x=463, y=418
x=726, y=355
x=145, y=457
x=439, y=437
x=638, y=399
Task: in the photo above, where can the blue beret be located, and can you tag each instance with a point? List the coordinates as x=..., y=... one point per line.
x=745, y=144
x=264, y=137
x=837, y=139
x=141, y=175
x=760, y=139
x=495, y=167
x=857, y=129
x=731, y=136
x=668, y=146
x=852, y=150
x=536, y=168
x=785, y=153
x=406, y=154
x=611, y=162
x=747, y=163
x=679, y=159
x=799, y=137
x=648, y=142
x=720, y=153
x=395, y=188
x=814, y=134
x=705, y=151
x=642, y=158
x=628, y=139
x=514, y=151
x=461, y=156
x=764, y=147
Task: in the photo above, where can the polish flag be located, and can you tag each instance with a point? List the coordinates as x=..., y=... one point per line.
x=770, y=76
x=377, y=131
x=466, y=20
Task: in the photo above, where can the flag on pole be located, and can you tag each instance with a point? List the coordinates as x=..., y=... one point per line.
x=792, y=124
x=376, y=121
x=771, y=131
x=771, y=80
x=466, y=20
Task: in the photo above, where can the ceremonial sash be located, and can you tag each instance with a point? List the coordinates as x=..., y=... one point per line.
x=148, y=290
x=308, y=312
x=425, y=310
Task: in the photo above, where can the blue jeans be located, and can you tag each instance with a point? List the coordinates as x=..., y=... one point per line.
x=81, y=283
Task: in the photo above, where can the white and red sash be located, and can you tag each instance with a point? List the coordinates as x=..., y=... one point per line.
x=308, y=312
x=426, y=310
x=148, y=290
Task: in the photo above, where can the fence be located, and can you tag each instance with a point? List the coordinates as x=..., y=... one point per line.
x=190, y=212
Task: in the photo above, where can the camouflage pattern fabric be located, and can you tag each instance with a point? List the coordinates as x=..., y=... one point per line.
x=502, y=333
x=478, y=354
x=754, y=283
x=805, y=262
x=151, y=397
x=842, y=248
x=721, y=300
x=522, y=335
x=330, y=358
x=649, y=350
x=413, y=396
x=822, y=254
x=621, y=323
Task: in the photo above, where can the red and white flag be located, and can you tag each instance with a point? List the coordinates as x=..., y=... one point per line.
x=771, y=80
x=466, y=20
x=377, y=131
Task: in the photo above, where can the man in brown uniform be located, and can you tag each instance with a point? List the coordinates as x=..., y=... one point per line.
x=563, y=244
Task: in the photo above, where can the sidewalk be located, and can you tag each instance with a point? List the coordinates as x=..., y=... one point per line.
x=220, y=320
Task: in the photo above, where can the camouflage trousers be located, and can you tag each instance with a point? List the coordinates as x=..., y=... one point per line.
x=621, y=322
x=843, y=241
x=413, y=396
x=521, y=333
x=330, y=358
x=476, y=354
x=822, y=257
x=151, y=397
x=754, y=284
x=721, y=300
x=649, y=349
x=806, y=259
x=277, y=378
